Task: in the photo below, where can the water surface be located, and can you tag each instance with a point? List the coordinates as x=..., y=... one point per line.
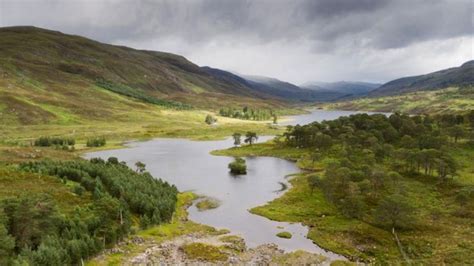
x=190, y=166
x=320, y=115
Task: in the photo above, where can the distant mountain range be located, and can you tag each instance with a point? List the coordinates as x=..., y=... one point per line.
x=456, y=76
x=330, y=91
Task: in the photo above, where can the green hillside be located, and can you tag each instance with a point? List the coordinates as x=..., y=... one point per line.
x=48, y=76
x=448, y=100
x=451, y=77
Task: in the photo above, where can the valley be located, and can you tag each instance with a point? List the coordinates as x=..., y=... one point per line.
x=117, y=156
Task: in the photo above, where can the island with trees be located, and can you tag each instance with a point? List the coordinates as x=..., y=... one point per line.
x=238, y=166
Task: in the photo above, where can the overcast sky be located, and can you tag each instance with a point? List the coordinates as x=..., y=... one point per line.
x=293, y=40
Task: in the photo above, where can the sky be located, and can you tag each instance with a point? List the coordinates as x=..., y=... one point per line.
x=293, y=40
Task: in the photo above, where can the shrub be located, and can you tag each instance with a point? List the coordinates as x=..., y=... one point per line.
x=238, y=166
x=96, y=142
x=54, y=141
x=284, y=235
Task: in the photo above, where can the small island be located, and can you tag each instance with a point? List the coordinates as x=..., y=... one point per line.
x=207, y=204
x=238, y=166
x=284, y=234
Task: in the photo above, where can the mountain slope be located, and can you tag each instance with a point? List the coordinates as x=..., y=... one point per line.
x=450, y=100
x=330, y=91
x=456, y=76
x=281, y=89
x=46, y=74
x=264, y=86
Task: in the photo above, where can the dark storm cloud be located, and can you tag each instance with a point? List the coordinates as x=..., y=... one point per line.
x=381, y=23
x=325, y=28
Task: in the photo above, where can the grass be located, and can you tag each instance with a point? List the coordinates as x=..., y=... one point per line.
x=449, y=100
x=284, y=234
x=204, y=252
x=439, y=237
x=296, y=258
x=14, y=183
x=207, y=204
x=15, y=140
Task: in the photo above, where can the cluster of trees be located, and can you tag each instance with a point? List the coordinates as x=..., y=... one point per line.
x=33, y=231
x=238, y=166
x=210, y=120
x=139, y=95
x=96, y=142
x=368, y=154
x=250, y=138
x=249, y=114
x=54, y=141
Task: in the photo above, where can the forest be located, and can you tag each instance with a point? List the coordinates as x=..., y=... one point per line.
x=247, y=113
x=34, y=231
x=366, y=156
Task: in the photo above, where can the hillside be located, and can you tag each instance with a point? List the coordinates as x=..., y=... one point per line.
x=451, y=77
x=281, y=89
x=51, y=76
x=450, y=100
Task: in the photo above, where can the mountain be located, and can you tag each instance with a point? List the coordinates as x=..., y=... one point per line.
x=46, y=74
x=456, y=76
x=280, y=89
x=264, y=86
x=329, y=91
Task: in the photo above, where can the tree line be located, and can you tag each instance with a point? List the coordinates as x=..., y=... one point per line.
x=247, y=113
x=34, y=231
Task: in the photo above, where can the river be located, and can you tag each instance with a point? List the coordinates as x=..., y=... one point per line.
x=190, y=166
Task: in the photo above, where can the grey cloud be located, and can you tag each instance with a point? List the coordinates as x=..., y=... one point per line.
x=326, y=28
x=386, y=23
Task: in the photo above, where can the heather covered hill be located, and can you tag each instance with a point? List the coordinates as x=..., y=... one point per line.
x=48, y=75
x=451, y=77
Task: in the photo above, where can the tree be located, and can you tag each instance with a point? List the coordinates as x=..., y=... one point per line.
x=210, y=120
x=323, y=142
x=395, y=211
x=408, y=142
x=315, y=155
x=140, y=167
x=456, y=132
x=237, y=138
x=238, y=166
x=7, y=242
x=275, y=119
x=250, y=137
x=313, y=181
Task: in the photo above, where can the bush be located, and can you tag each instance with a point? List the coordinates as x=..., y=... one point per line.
x=96, y=142
x=54, y=141
x=284, y=235
x=210, y=120
x=238, y=167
